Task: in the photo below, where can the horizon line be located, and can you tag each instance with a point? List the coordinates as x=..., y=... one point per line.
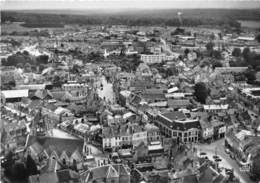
x=135, y=8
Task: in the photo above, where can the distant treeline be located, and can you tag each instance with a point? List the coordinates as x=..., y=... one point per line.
x=42, y=25
x=214, y=17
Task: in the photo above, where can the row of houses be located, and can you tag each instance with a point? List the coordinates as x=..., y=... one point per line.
x=129, y=135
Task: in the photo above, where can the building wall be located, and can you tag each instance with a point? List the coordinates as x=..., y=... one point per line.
x=207, y=133
x=189, y=135
x=150, y=59
x=139, y=137
x=154, y=135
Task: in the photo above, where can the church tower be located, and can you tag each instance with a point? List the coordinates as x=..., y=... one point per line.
x=39, y=126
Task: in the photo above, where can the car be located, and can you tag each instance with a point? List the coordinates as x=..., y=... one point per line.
x=232, y=156
x=227, y=151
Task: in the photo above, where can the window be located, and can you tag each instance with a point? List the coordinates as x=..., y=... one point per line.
x=174, y=133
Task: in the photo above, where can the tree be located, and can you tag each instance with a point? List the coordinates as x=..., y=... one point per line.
x=216, y=64
x=220, y=35
x=212, y=36
x=31, y=166
x=42, y=59
x=19, y=172
x=201, y=92
x=75, y=69
x=216, y=54
x=8, y=163
x=246, y=53
x=19, y=65
x=258, y=38
x=236, y=52
x=186, y=51
x=27, y=67
x=255, y=169
x=210, y=46
x=26, y=53
x=57, y=81
x=250, y=75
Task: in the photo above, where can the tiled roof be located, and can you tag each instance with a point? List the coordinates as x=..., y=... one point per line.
x=57, y=144
x=106, y=171
x=172, y=102
x=207, y=175
x=169, y=119
x=174, y=115
x=42, y=94
x=51, y=107
x=67, y=175
x=153, y=96
x=190, y=179
x=55, y=177
x=50, y=177
x=35, y=104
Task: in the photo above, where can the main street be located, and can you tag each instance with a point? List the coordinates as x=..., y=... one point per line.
x=218, y=146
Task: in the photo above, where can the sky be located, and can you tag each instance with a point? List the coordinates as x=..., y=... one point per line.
x=126, y=4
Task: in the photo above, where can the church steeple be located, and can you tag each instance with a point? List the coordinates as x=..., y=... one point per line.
x=39, y=127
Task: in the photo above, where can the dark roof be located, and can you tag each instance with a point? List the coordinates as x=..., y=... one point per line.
x=219, y=179
x=121, y=169
x=153, y=96
x=190, y=179
x=50, y=177
x=51, y=107
x=67, y=175
x=174, y=115
x=208, y=175
x=42, y=94
x=55, y=177
x=178, y=102
x=59, y=145
x=135, y=100
x=169, y=119
x=34, y=104
x=58, y=95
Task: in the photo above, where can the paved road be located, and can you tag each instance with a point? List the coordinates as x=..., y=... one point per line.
x=106, y=91
x=219, y=146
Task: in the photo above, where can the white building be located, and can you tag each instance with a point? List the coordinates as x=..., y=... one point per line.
x=151, y=59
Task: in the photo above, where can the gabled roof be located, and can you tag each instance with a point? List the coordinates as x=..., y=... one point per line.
x=58, y=145
x=42, y=94
x=55, y=177
x=107, y=171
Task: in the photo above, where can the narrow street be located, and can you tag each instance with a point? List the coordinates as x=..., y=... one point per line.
x=105, y=91
x=219, y=147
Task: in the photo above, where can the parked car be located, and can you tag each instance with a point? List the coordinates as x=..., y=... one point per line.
x=227, y=150
x=232, y=156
